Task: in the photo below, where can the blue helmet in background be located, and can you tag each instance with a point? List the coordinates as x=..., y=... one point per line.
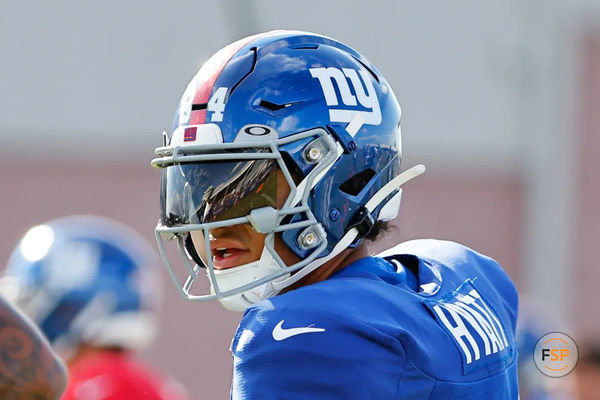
x=85, y=280
x=296, y=102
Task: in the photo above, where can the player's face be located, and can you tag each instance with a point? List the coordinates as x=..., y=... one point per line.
x=236, y=245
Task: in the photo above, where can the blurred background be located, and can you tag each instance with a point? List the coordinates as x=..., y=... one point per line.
x=501, y=101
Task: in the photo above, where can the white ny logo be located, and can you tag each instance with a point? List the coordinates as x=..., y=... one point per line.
x=355, y=118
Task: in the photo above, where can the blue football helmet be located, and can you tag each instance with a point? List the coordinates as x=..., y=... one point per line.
x=86, y=280
x=297, y=104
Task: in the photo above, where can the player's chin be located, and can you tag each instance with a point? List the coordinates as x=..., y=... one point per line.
x=232, y=261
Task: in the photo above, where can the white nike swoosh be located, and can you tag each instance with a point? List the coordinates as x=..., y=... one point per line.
x=279, y=333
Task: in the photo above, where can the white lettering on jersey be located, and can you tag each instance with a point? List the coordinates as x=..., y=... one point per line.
x=355, y=118
x=471, y=310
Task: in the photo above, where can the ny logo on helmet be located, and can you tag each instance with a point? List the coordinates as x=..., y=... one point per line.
x=354, y=118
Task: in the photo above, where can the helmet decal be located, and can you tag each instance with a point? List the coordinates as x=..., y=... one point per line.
x=353, y=117
x=195, y=101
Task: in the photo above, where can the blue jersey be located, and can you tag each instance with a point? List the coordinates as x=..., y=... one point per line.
x=430, y=320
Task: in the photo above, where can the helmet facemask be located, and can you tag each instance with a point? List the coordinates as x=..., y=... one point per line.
x=217, y=185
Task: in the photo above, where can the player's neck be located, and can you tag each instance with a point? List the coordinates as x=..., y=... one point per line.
x=342, y=260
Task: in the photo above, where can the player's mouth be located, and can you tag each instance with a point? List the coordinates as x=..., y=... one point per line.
x=228, y=253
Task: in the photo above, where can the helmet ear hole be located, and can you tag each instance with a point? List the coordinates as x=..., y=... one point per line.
x=354, y=185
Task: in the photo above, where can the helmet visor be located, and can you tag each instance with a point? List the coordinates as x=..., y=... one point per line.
x=198, y=193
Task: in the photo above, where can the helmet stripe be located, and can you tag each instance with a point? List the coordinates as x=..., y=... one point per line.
x=211, y=70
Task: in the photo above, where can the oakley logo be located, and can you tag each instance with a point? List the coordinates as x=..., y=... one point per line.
x=350, y=98
x=257, y=130
x=280, y=333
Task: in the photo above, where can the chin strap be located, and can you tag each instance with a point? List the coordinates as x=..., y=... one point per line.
x=352, y=233
x=231, y=278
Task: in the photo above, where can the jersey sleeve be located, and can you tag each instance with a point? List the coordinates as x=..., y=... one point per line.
x=312, y=354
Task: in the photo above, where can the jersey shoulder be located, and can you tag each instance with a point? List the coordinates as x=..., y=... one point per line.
x=444, y=252
x=305, y=317
x=470, y=297
x=454, y=262
x=343, y=305
x=313, y=350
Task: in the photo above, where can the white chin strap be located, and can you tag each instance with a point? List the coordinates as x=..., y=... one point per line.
x=232, y=278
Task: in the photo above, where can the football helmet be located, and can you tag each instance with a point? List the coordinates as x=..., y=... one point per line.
x=282, y=108
x=86, y=280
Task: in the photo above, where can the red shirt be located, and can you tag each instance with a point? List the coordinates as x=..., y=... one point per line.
x=111, y=375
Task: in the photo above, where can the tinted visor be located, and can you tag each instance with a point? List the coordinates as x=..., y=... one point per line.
x=214, y=191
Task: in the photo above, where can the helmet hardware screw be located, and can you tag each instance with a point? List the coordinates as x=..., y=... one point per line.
x=309, y=239
x=314, y=154
x=315, y=151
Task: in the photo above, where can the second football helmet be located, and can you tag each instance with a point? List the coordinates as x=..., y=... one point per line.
x=86, y=280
